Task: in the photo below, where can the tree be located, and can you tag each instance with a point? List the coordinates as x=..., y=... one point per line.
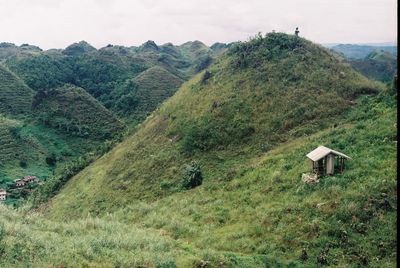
x=193, y=176
x=51, y=160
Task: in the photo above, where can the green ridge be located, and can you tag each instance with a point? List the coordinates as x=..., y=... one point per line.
x=74, y=111
x=15, y=96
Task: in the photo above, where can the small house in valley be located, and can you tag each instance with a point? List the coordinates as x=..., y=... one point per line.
x=3, y=195
x=25, y=180
x=19, y=183
x=28, y=179
x=326, y=161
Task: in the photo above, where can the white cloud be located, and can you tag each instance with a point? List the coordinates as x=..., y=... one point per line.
x=58, y=23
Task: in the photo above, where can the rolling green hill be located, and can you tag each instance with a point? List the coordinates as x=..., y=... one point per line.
x=263, y=93
x=65, y=123
x=150, y=88
x=8, y=50
x=248, y=121
x=9, y=148
x=78, y=95
x=378, y=65
x=72, y=110
x=15, y=96
x=78, y=49
x=107, y=73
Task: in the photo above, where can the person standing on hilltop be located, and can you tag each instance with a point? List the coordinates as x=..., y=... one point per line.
x=296, y=32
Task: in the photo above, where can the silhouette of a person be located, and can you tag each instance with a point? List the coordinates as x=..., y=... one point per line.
x=297, y=31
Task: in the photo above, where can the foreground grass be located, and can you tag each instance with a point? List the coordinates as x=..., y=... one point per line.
x=29, y=240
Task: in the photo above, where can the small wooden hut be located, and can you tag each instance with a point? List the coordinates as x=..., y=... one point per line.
x=326, y=161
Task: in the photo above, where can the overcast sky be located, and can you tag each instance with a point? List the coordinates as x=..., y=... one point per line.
x=58, y=23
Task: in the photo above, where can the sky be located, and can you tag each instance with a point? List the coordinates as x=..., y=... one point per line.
x=58, y=23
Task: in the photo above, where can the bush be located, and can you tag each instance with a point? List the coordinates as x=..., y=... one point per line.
x=23, y=163
x=51, y=160
x=193, y=176
x=207, y=75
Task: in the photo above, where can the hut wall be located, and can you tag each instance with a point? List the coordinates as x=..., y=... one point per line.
x=330, y=164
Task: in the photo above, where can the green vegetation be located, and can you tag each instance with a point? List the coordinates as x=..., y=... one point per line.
x=193, y=176
x=253, y=216
x=29, y=239
x=378, y=65
x=249, y=126
x=66, y=122
x=361, y=51
x=29, y=148
x=42, y=71
x=212, y=178
x=51, y=102
x=109, y=74
x=239, y=111
x=78, y=49
x=8, y=50
x=72, y=110
x=138, y=96
x=15, y=96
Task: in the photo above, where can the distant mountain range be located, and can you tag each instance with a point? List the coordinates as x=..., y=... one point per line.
x=329, y=45
x=361, y=51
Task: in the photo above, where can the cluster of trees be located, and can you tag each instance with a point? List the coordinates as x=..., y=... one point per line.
x=271, y=47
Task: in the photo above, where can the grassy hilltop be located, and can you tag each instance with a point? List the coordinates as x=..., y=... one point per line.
x=248, y=121
x=74, y=111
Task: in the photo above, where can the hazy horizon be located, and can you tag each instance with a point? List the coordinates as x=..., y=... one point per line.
x=59, y=23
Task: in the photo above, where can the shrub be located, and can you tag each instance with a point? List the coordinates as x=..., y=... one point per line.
x=193, y=176
x=206, y=76
x=51, y=160
x=23, y=163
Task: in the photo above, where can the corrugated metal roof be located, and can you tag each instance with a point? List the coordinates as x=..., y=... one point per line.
x=323, y=151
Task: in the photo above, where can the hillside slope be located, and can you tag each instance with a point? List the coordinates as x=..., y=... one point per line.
x=64, y=124
x=378, y=65
x=15, y=96
x=151, y=88
x=264, y=93
x=249, y=121
x=263, y=210
x=73, y=110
